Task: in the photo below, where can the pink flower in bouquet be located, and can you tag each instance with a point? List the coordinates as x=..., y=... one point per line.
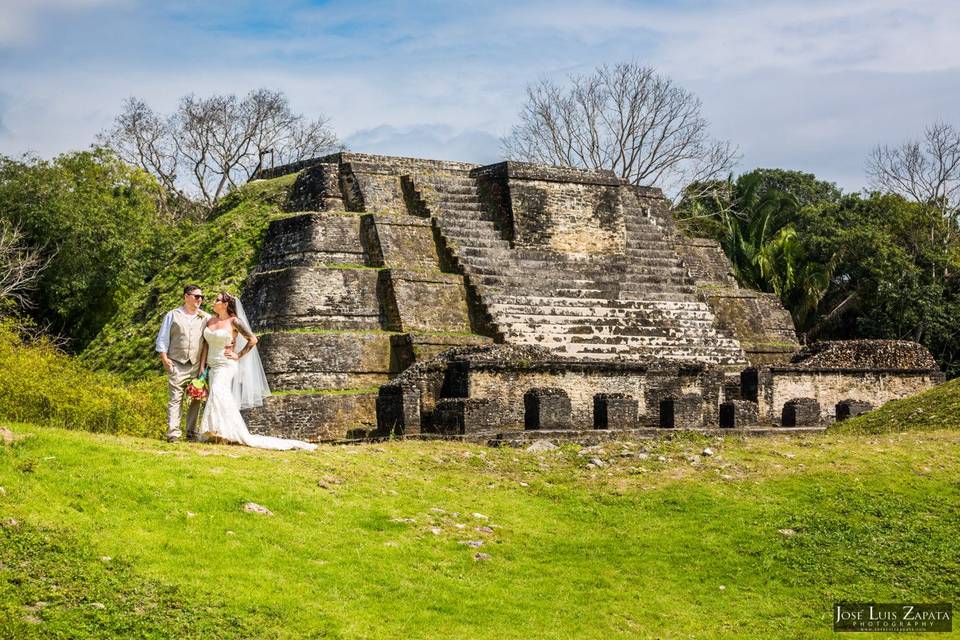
x=197, y=389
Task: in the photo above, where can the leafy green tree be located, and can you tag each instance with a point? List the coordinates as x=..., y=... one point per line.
x=95, y=220
x=759, y=238
x=804, y=188
x=888, y=280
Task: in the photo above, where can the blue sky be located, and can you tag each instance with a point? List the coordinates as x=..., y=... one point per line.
x=799, y=84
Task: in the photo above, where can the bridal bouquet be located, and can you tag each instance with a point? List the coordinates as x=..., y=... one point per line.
x=198, y=387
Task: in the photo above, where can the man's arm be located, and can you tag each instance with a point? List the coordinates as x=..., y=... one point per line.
x=163, y=341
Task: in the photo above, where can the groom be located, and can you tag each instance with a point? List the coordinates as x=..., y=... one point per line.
x=178, y=344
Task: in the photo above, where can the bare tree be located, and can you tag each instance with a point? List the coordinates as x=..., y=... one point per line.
x=627, y=119
x=211, y=144
x=927, y=171
x=20, y=265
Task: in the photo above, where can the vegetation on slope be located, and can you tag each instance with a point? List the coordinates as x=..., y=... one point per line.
x=95, y=221
x=217, y=254
x=755, y=541
x=937, y=408
x=42, y=384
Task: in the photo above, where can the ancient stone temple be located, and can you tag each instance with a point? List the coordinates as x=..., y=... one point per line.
x=404, y=296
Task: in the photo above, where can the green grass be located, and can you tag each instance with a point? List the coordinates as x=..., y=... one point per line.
x=42, y=384
x=217, y=255
x=365, y=541
x=936, y=408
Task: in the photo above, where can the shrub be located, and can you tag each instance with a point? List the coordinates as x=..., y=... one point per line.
x=41, y=384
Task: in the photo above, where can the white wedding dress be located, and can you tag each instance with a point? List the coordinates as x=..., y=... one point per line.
x=221, y=416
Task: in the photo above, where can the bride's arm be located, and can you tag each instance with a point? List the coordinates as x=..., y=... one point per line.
x=246, y=333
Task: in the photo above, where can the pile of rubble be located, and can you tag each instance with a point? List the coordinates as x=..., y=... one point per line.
x=865, y=354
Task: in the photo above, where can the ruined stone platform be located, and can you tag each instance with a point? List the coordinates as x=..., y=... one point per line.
x=388, y=277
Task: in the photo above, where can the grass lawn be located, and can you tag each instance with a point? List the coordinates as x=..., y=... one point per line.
x=107, y=536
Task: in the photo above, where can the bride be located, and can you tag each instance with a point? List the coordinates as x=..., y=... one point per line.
x=236, y=379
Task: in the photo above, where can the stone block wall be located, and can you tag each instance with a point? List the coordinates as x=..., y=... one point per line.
x=313, y=239
x=564, y=210
x=778, y=385
x=326, y=360
x=400, y=242
x=314, y=417
x=424, y=301
x=305, y=297
x=582, y=382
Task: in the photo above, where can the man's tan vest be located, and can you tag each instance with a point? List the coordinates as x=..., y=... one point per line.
x=185, y=335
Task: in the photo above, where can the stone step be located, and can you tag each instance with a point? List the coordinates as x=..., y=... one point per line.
x=594, y=314
x=508, y=254
x=691, y=347
x=650, y=254
x=555, y=301
x=617, y=352
x=602, y=324
x=465, y=207
x=453, y=199
x=490, y=293
x=475, y=243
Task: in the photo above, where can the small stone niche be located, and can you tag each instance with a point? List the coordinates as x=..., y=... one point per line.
x=458, y=416
x=398, y=410
x=684, y=412
x=738, y=414
x=546, y=408
x=801, y=412
x=850, y=408
x=614, y=411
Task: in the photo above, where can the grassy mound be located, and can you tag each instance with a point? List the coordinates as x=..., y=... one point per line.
x=217, y=255
x=937, y=408
x=757, y=540
x=42, y=384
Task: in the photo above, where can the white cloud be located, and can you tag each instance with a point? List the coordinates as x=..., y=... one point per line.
x=21, y=19
x=801, y=84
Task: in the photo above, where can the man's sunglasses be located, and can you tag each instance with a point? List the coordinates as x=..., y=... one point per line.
x=198, y=296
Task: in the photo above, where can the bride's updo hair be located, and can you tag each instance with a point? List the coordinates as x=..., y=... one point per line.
x=231, y=303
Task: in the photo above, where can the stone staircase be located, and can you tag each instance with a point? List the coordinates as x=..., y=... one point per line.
x=636, y=305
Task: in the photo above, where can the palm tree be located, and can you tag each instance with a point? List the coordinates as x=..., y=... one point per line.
x=766, y=251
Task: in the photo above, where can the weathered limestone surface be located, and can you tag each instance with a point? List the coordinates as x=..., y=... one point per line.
x=315, y=417
x=546, y=408
x=387, y=262
x=326, y=360
x=758, y=320
x=800, y=412
x=401, y=242
x=851, y=408
x=425, y=301
x=312, y=239
x=738, y=413
x=614, y=411
x=398, y=410
x=457, y=416
x=830, y=386
x=308, y=297
x=410, y=348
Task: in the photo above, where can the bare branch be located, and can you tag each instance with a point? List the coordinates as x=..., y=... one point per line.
x=218, y=142
x=626, y=119
x=20, y=265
